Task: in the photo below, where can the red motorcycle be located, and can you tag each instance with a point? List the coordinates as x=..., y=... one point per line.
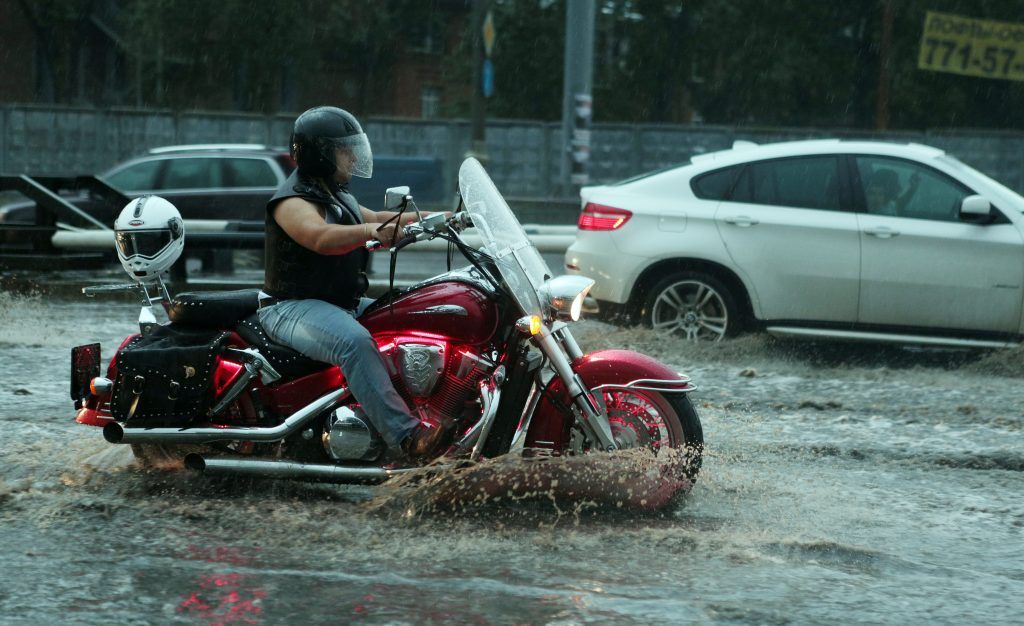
x=488, y=347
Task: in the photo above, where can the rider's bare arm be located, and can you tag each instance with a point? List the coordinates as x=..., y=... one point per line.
x=304, y=222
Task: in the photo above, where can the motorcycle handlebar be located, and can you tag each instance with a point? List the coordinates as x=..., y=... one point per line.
x=457, y=222
x=373, y=245
x=404, y=241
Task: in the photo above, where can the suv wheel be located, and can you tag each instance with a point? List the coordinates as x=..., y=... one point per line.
x=693, y=305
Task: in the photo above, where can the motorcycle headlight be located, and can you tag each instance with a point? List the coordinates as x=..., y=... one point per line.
x=564, y=296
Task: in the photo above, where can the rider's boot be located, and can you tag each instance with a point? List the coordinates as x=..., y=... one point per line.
x=427, y=440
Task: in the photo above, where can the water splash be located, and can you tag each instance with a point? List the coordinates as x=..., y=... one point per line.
x=23, y=319
x=1008, y=363
x=635, y=480
x=35, y=320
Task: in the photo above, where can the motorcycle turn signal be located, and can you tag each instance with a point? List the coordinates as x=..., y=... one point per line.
x=529, y=325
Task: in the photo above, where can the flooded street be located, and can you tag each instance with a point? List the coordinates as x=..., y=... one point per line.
x=840, y=484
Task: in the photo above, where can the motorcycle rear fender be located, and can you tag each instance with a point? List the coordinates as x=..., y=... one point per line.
x=553, y=418
x=90, y=412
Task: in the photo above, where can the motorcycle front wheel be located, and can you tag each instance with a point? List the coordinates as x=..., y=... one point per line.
x=652, y=420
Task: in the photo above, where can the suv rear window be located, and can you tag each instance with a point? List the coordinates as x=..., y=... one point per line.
x=249, y=173
x=716, y=185
x=136, y=177
x=802, y=182
x=196, y=173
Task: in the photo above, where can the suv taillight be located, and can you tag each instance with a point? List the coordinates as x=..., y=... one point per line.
x=601, y=217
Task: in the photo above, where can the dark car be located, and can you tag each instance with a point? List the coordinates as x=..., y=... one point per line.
x=215, y=182
x=234, y=181
x=208, y=181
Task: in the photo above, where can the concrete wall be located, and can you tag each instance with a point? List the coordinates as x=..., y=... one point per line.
x=523, y=155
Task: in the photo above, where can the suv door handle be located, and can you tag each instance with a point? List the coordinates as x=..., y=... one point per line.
x=882, y=232
x=740, y=220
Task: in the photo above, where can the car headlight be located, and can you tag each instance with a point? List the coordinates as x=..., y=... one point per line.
x=563, y=296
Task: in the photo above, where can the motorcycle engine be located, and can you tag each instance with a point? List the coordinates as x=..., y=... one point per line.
x=434, y=377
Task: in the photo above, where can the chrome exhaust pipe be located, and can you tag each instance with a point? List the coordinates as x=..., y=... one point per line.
x=292, y=470
x=115, y=432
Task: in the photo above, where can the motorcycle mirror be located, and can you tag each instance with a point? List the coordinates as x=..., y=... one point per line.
x=395, y=196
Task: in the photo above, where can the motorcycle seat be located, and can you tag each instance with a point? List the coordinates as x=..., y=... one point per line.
x=213, y=309
x=289, y=363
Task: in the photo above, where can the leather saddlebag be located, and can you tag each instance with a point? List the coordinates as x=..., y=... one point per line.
x=165, y=376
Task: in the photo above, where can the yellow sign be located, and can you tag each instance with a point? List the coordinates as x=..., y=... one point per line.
x=489, y=33
x=964, y=45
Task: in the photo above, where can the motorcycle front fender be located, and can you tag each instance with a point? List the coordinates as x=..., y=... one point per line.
x=604, y=369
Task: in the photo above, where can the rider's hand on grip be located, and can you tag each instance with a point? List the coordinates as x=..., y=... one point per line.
x=387, y=234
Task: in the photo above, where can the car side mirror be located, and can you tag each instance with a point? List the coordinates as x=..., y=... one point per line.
x=975, y=209
x=395, y=196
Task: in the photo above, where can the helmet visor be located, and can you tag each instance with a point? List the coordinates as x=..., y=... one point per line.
x=353, y=155
x=142, y=243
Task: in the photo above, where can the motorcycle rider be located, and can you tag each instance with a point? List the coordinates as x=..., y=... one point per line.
x=316, y=261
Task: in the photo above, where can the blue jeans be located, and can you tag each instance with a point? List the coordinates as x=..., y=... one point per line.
x=324, y=332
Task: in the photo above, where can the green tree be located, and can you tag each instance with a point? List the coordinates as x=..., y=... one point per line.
x=528, y=59
x=925, y=99
x=788, y=62
x=186, y=51
x=792, y=62
x=58, y=28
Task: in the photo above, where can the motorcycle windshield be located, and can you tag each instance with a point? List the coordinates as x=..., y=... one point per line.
x=521, y=265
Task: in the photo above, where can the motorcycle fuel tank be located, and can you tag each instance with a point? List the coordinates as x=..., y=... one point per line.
x=454, y=311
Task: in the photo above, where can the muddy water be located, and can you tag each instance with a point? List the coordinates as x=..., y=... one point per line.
x=840, y=485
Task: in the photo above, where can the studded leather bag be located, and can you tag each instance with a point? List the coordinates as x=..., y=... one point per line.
x=165, y=377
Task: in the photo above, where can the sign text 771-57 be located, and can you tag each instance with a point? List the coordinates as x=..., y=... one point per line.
x=964, y=45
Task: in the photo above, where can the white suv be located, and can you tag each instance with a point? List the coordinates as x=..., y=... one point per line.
x=826, y=238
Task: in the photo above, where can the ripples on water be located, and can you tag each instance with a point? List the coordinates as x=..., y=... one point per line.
x=841, y=484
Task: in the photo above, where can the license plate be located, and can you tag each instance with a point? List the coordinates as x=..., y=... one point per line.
x=85, y=365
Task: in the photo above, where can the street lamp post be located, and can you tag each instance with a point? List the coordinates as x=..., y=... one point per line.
x=576, y=95
x=481, y=63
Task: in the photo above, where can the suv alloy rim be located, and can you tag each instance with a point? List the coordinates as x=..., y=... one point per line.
x=692, y=309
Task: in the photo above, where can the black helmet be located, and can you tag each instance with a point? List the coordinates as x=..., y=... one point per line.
x=318, y=132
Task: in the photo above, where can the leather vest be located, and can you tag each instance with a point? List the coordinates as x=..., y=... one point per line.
x=294, y=272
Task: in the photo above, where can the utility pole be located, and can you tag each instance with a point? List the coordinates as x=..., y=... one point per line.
x=478, y=109
x=884, y=55
x=576, y=95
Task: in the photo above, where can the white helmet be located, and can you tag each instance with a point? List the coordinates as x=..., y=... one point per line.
x=149, y=236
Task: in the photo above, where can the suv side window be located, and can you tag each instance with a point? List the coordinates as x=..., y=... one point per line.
x=136, y=177
x=192, y=173
x=906, y=189
x=248, y=173
x=716, y=185
x=802, y=182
